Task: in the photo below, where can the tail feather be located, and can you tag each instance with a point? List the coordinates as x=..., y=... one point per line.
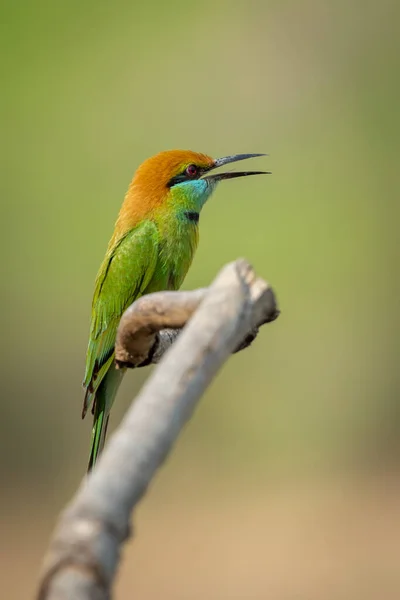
x=103, y=401
x=94, y=383
x=100, y=423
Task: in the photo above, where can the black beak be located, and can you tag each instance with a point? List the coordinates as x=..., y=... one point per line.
x=219, y=162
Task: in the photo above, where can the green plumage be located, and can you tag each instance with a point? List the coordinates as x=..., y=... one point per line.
x=124, y=275
x=151, y=256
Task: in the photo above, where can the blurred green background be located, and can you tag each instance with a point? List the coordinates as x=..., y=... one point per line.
x=286, y=483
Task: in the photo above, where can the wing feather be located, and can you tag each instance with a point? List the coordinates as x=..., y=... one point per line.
x=124, y=275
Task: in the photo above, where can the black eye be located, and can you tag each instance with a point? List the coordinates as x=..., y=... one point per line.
x=191, y=171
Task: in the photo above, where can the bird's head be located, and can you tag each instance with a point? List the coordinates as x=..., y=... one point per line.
x=185, y=169
x=178, y=177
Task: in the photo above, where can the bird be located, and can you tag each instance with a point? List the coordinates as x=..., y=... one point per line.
x=152, y=247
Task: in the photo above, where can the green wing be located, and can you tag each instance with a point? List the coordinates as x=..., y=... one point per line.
x=124, y=275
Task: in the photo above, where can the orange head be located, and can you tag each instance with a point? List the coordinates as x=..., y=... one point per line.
x=160, y=176
x=155, y=174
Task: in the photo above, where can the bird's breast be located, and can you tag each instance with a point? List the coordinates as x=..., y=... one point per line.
x=178, y=241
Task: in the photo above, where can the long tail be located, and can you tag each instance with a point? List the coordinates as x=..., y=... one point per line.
x=103, y=402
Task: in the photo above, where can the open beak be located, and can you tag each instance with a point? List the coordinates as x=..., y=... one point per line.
x=219, y=162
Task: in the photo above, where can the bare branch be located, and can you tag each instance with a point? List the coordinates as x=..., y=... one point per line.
x=85, y=550
x=150, y=326
x=138, y=330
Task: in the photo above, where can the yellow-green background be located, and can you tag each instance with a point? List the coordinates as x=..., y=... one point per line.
x=284, y=485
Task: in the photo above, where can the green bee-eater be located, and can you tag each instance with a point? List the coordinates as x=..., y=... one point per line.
x=153, y=244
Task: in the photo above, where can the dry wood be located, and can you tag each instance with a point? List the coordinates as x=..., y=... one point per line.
x=85, y=550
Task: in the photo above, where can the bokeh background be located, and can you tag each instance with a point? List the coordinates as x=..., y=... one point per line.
x=285, y=484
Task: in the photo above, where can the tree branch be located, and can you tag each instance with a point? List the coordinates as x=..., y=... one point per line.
x=85, y=550
x=150, y=326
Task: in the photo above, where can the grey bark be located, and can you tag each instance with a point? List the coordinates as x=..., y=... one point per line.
x=84, y=553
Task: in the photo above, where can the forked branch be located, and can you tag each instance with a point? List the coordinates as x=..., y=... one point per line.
x=85, y=551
